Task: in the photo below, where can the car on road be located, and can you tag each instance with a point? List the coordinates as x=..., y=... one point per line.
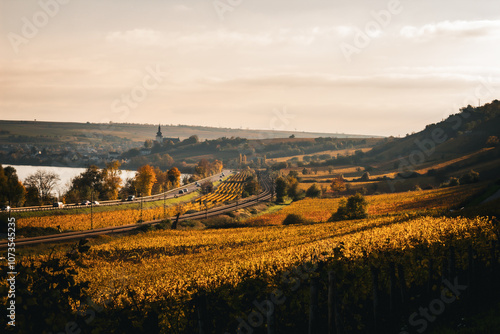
x=5, y=208
x=184, y=190
x=130, y=198
x=58, y=205
x=85, y=203
x=181, y=192
x=95, y=203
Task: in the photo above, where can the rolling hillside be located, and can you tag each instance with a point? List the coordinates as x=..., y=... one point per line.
x=60, y=132
x=464, y=132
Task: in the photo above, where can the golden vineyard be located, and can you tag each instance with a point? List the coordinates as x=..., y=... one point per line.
x=169, y=268
x=165, y=271
x=229, y=190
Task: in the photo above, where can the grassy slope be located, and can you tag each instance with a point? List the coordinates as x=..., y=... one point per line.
x=459, y=139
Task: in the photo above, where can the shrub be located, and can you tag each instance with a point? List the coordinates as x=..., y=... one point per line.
x=469, y=177
x=292, y=219
x=492, y=141
x=313, y=191
x=145, y=228
x=164, y=225
x=453, y=182
x=365, y=177
x=220, y=222
x=354, y=208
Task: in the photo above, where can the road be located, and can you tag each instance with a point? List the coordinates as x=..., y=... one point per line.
x=250, y=201
x=169, y=194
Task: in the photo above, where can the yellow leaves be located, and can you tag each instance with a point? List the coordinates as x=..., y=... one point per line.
x=211, y=258
x=177, y=263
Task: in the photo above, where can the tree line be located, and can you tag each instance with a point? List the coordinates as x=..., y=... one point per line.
x=99, y=184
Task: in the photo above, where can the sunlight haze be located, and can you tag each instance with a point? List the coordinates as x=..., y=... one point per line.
x=360, y=67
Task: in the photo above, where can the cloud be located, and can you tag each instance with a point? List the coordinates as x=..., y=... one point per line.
x=223, y=37
x=182, y=8
x=135, y=36
x=389, y=80
x=452, y=29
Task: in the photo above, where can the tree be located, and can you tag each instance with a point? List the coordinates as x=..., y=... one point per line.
x=492, y=141
x=14, y=190
x=44, y=182
x=32, y=196
x=129, y=188
x=354, y=208
x=206, y=187
x=145, y=178
x=111, y=180
x=293, y=190
x=251, y=186
x=470, y=177
x=3, y=186
x=314, y=191
x=165, y=161
x=174, y=177
x=216, y=167
x=294, y=174
x=161, y=184
x=148, y=143
x=338, y=184
x=91, y=181
x=280, y=189
x=365, y=177
x=191, y=140
x=203, y=168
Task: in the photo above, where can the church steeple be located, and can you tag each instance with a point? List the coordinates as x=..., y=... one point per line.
x=159, y=135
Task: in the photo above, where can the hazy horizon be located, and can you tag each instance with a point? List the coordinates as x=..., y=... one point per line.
x=379, y=68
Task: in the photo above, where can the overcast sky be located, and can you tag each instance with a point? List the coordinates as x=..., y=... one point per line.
x=350, y=66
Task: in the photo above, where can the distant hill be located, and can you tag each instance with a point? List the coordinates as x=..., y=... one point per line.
x=57, y=132
x=464, y=134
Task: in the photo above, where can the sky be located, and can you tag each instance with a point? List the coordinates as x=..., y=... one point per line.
x=373, y=67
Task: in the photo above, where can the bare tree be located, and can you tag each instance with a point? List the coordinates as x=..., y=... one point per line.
x=43, y=181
